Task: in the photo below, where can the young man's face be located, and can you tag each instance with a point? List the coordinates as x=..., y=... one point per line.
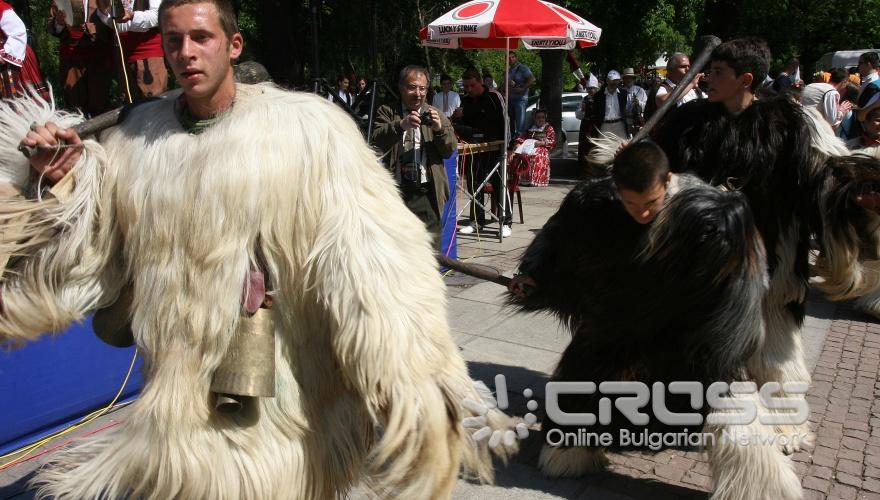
x=865, y=67
x=446, y=85
x=199, y=53
x=723, y=83
x=414, y=90
x=473, y=87
x=643, y=207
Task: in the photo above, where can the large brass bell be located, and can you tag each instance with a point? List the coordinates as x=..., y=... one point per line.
x=247, y=370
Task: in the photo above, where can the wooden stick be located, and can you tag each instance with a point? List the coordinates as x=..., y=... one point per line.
x=475, y=271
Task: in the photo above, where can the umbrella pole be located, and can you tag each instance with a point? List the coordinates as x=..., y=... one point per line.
x=503, y=210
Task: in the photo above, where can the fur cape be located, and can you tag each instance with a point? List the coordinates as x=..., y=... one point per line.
x=674, y=300
x=800, y=181
x=724, y=299
x=369, y=385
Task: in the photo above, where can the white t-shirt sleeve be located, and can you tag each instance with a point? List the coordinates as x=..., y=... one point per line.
x=829, y=107
x=16, y=38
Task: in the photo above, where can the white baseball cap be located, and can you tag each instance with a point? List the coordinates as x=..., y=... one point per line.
x=612, y=75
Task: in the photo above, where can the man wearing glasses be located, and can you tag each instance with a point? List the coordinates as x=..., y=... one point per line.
x=413, y=139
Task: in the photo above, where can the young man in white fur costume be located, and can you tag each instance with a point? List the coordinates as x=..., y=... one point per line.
x=182, y=201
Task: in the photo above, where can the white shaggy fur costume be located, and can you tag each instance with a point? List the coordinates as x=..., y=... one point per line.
x=369, y=384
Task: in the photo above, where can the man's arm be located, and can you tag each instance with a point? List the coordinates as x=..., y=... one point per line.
x=663, y=93
x=387, y=129
x=444, y=139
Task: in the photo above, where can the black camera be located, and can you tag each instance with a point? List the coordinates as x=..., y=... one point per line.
x=426, y=119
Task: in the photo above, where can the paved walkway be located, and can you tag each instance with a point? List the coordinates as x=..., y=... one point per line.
x=841, y=344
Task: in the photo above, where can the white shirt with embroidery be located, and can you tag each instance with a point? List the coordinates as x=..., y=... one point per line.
x=16, y=38
x=141, y=20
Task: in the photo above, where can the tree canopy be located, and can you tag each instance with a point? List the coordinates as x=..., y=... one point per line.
x=377, y=38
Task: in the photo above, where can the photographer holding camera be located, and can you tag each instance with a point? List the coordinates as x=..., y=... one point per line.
x=414, y=139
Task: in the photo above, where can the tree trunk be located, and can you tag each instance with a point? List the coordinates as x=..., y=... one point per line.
x=422, y=23
x=551, y=85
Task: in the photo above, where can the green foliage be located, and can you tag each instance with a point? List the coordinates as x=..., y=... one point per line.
x=634, y=33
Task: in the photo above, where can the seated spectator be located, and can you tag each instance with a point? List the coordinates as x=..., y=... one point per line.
x=532, y=164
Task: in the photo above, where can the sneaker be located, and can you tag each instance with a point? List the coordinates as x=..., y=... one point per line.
x=469, y=229
x=505, y=231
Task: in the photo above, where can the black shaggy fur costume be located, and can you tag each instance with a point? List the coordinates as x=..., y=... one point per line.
x=715, y=288
x=675, y=300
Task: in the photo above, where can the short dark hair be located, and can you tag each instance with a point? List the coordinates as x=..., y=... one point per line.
x=412, y=68
x=224, y=9
x=640, y=166
x=871, y=58
x=471, y=74
x=838, y=75
x=445, y=78
x=745, y=55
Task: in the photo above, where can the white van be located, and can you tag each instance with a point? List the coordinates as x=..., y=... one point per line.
x=841, y=59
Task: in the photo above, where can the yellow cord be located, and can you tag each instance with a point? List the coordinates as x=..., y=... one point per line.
x=27, y=450
x=122, y=61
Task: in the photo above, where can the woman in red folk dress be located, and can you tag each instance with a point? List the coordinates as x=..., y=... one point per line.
x=532, y=161
x=18, y=63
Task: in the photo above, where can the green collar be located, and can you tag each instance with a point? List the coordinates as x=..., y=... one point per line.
x=192, y=124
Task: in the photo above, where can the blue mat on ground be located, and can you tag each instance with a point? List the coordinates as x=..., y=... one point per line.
x=57, y=380
x=448, y=219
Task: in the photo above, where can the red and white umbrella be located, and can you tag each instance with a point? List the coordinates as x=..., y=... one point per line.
x=502, y=24
x=499, y=24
